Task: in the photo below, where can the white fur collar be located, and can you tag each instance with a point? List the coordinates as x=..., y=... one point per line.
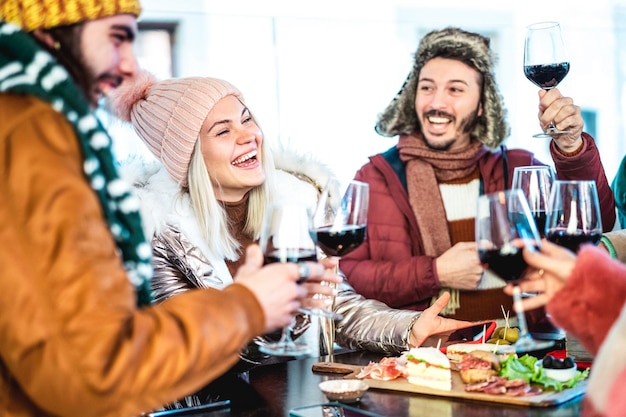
x=300, y=178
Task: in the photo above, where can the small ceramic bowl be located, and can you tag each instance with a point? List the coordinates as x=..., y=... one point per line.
x=560, y=375
x=344, y=390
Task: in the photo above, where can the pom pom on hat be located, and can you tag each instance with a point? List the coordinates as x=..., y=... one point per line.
x=121, y=102
x=168, y=115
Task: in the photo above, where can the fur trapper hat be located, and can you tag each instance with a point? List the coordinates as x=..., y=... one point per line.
x=470, y=48
x=168, y=115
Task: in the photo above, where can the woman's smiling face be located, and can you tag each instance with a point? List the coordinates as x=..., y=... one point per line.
x=231, y=149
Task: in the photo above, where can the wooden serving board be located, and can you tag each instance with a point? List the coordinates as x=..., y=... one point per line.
x=546, y=399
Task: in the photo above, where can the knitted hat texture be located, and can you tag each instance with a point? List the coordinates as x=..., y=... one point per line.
x=168, y=115
x=46, y=14
x=474, y=50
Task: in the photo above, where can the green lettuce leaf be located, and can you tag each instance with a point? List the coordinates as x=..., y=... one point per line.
x=524, y=368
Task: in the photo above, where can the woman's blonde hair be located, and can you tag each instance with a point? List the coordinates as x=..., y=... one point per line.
x=212, y=217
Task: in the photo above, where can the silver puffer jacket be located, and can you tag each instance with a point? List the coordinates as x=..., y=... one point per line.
x=183, y=262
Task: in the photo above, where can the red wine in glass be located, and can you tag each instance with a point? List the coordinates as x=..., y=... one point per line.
x=504, y=226
x=545, y=62
x=574, y=216
x=300, y=255
x=509, y=265
x=340, y=242
x=284, y=238
x=573, y=241
x=546, y=76
x=338, y=226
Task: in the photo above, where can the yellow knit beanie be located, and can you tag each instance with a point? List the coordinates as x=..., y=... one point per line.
x=46, y=14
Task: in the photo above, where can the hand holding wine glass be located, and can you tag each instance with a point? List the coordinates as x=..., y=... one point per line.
x=574, y=214
x=545, y=62
x=535, y=182
x=504, y=227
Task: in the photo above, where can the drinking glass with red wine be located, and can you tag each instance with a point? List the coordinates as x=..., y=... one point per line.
x=339, y=227
x=504, y=227
x=545, y=62
x=574, y=214
x=535, y=182
x=285, y=238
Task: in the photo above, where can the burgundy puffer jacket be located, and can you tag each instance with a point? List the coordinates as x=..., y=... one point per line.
x=391, y=266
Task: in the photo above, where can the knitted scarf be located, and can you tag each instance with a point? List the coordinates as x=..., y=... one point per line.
x=425, y=169
x=25, y=68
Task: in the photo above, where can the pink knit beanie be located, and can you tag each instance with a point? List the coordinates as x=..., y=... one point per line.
x=167, y=115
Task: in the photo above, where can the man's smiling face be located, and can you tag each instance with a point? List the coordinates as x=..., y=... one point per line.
x=447, y=102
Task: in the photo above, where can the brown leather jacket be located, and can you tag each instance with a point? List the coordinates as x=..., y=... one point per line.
x=72, y=341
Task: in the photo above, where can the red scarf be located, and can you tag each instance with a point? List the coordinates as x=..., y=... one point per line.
x=425, y=169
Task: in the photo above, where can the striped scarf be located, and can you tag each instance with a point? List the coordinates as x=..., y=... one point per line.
x=25, y=68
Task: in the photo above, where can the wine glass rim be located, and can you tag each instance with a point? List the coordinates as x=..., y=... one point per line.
x=357, y=182
x=584, y=182
x=543, y=25
x=497, y=194
x=533, y=168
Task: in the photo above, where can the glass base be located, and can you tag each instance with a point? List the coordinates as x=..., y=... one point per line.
x=528, y=344
x=551, y=132
x=285, y=349
x=321, y=312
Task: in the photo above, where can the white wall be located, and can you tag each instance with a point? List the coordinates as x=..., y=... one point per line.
x=317, y=74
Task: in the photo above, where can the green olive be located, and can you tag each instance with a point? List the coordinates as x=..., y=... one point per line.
x=511, y=334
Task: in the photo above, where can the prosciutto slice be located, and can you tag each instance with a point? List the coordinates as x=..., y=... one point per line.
x=385, y=370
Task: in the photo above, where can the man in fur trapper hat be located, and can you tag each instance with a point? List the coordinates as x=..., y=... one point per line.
x=78, y=333
x=450, y=122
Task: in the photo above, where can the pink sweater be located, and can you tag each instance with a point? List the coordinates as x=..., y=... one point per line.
x=590, y=307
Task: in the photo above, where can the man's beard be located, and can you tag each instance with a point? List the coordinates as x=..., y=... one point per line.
x=466, y=126
x=69, y=55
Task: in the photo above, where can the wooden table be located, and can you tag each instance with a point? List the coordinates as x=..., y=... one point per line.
x=274, y=389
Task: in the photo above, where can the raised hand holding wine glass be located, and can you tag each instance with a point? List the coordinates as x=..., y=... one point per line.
x=574, y=214
x=545, y=62
x=504, y=227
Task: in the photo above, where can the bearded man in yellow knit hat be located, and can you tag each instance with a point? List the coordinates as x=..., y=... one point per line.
x=78, y=333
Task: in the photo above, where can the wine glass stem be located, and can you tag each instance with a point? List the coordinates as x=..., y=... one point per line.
x=519, y=312
x=285, y=336
x=327, y=325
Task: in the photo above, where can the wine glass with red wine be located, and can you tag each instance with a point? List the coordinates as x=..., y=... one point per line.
x=545, y=62
x=285, y=238
x=574, y=214
x=504, y=227
x=339, y=227
x=535, y=182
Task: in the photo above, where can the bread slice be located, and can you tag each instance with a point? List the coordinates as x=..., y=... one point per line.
x=455, y=352
x=429, y=367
